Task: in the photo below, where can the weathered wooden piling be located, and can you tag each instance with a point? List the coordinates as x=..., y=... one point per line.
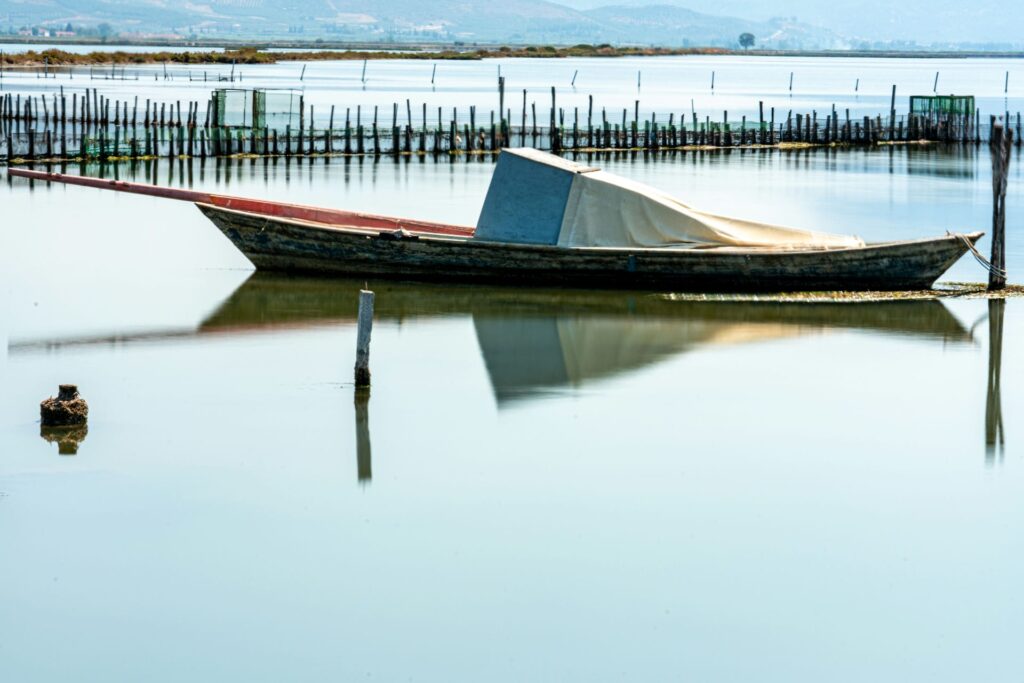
x=892, y=113
x=363, y=331
x=999, y=146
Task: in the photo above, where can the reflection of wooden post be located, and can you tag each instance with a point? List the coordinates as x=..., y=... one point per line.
x=994, y=435
x=365, y=326
x=364, y=470
x=999, y=144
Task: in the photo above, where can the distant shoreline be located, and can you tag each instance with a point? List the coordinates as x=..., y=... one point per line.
x=227, y=53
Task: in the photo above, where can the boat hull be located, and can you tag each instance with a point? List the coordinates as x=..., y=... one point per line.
x=294, y=246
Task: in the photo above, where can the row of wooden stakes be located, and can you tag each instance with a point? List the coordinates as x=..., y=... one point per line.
x=169, y=130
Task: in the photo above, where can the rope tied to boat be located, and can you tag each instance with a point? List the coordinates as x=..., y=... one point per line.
x=985, y=263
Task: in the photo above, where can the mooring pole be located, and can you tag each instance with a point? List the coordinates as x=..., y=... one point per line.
x=892, y=113
x=365, y=326
x=1000, y=143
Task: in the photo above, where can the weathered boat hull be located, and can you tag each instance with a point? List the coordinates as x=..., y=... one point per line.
x=293, y=246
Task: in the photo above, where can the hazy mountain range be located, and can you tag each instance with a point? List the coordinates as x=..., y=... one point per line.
x=806, y=24
x=934, y=21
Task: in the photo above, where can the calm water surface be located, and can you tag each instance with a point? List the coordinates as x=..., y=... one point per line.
x=544, y=484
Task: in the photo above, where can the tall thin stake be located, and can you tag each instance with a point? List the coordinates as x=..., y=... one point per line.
x=999, y=145
x=364, y=328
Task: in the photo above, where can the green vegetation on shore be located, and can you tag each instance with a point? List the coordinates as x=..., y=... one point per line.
x=255, y=56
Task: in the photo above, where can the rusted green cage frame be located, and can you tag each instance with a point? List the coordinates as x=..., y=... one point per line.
x=933, y=105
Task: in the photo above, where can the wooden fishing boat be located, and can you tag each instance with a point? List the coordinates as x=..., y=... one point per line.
x=295, y=245
x=561, y=234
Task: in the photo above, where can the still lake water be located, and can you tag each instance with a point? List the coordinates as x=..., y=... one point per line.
x=544, y=485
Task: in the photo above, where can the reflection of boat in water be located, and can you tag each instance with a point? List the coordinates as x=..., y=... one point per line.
x=525, y=355
x=542, y=351
x=268, y=301
x=536, y=340
x=539, y=339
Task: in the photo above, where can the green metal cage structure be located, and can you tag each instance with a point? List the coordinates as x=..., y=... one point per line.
x=260, y=110
x=942, y=105
x=232, y=108
x=278, y=110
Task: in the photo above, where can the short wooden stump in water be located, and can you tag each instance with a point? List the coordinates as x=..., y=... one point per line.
x=63, y=419
x=67, y=410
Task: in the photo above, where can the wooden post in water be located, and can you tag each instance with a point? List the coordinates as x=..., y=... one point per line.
x=329, y=139
x=554, y=123
x=892, y=113
x=364, y=328
x=999, y=145
x=522, y=128
x=590, y=121
x=533, y=132
x=376, y=133
x=501, y=96
x=360, y=145
x=302, y=123
x=423, y=131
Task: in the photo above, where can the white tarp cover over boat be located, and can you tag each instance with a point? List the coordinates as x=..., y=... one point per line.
x=539, y=198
